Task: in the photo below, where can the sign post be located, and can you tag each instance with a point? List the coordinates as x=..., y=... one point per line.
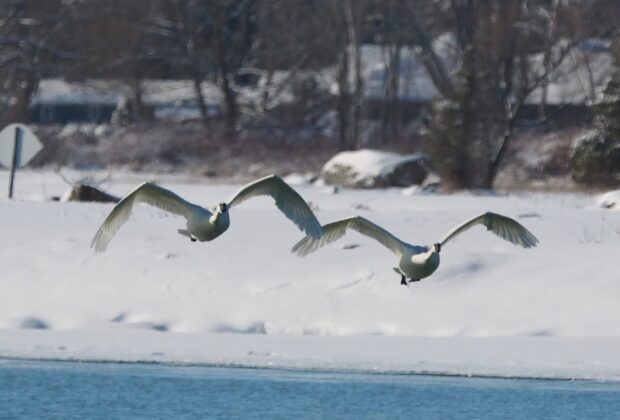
x=16, y=154
x=18, y=145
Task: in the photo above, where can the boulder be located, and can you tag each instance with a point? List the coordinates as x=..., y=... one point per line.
x=85, y=192
x=609, y=200
x=375, y=169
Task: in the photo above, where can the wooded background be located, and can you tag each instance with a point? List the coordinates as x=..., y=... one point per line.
x=501, y=52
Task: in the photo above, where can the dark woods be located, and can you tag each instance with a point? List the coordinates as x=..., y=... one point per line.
x=483, y=59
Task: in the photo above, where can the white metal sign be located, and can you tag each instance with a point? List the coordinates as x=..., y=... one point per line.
x=27, y=144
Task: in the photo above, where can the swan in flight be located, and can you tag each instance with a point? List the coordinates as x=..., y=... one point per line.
x=202, y=224
x=416, y=262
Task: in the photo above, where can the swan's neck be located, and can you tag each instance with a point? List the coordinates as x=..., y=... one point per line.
x=423, y=257
x=215, y=217
x=428, y=254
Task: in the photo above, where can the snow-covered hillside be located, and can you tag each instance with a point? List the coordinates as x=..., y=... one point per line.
x=491, y=307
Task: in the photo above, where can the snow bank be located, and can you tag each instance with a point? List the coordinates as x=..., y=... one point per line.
x=491, y=307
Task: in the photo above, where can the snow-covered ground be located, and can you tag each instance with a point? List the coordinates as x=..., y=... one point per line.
x=490, y=309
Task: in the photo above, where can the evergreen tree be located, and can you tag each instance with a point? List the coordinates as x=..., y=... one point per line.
x=596, y=159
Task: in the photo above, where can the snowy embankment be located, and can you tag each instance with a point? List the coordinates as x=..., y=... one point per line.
x=490, y=309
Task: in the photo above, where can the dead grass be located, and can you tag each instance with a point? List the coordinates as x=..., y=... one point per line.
x=188, y=147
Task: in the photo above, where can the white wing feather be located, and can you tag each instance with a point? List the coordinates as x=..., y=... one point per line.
x=502, y=226
x=336, y=230
x=287, y=199
x=145, y=193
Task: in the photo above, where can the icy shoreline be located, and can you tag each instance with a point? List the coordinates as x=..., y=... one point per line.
x=501, y=357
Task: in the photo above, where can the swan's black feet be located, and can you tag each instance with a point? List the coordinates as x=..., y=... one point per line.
x=405, y=282
x=192, y=239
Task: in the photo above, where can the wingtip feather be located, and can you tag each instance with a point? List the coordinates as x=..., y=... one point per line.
x=98, y=243
x=303, y=247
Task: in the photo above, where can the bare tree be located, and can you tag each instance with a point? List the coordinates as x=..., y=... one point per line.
x=475, y=118
x=34, y=41
x=234, y=26
x=291, y=38
x=182, y=32
x=393, y=33
x=347, y=20
x=114, y=43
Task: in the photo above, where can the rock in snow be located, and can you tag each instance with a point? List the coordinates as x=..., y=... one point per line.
x=609, y=200
x=85, y=192
x=374, y=169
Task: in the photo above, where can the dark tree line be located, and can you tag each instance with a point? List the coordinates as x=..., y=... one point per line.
x=596, y=160
x=34, y=42
x=495, y=59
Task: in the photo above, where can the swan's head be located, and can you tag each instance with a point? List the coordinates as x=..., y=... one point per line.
x=219, y=213
x=437, y=248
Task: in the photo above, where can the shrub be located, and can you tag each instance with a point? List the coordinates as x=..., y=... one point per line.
x=596, y=159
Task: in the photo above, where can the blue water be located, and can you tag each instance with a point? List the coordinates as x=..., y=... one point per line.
x=62, y=390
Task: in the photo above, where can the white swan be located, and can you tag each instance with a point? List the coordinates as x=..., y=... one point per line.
x=202, y=224
x=416, y=262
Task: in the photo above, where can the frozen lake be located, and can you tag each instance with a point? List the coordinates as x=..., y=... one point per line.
x=117, y=391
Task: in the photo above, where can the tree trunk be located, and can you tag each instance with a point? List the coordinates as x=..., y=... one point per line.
x=356, y=107
x=551, y=25
x=137, y=105
x=343, y=99
x=20, y=110
x=231, y=111
x=390, y=118
x=200, y=98
x=354, y=50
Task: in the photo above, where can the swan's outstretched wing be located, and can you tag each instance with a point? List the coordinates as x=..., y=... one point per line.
x=336, y=230
x=287, y=199
x=504, y=227
x=146, y=193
